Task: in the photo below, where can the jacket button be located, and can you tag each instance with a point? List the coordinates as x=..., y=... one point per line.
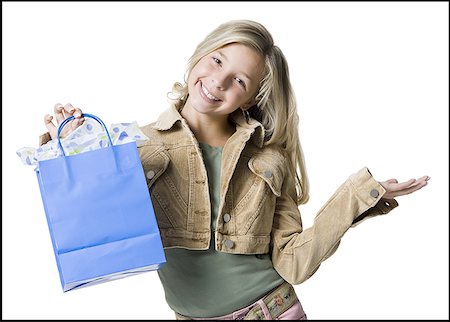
x=226, y=217
x=150, y=174
x=268, y=174
x=374, y=193
x=229, y=243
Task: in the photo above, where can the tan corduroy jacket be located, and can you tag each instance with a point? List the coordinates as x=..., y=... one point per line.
x=257, y=212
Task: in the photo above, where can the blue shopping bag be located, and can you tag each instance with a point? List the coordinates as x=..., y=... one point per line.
x=99, y=214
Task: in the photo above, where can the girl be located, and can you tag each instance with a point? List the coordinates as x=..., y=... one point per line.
x=226, y=175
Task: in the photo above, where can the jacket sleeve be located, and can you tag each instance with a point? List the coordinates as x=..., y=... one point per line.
x=44, y=138
x=298, y=253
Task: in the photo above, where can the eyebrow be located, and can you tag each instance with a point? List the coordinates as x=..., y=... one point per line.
x=226, y=58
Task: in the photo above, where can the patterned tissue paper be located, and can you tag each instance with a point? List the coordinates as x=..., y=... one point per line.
x=87, y=137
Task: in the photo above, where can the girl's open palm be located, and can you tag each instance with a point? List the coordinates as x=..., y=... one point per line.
x=395, y=189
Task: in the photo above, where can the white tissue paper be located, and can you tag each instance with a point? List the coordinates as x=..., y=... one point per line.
x=87, y=137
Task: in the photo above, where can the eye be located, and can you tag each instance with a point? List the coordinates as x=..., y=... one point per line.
x=217, y=61
x=241, y=82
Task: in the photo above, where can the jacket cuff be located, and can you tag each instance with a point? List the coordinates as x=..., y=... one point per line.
x=371, y=193
x=44, y=138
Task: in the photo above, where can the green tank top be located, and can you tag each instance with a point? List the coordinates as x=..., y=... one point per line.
x=209, y=283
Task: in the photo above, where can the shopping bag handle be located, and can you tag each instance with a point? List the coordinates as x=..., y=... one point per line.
x=67, y=120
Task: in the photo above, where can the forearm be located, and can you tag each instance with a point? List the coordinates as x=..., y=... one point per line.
x=298, y=254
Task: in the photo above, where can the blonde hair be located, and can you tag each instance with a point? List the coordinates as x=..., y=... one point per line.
x=276, y=106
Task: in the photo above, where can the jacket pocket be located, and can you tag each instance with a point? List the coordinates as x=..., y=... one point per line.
x=270, y=170
x=257, y=216
x=155, y=165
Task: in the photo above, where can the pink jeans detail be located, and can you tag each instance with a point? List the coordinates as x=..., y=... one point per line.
x=295, y=312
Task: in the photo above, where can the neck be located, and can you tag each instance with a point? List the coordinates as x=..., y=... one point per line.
x=213, y=130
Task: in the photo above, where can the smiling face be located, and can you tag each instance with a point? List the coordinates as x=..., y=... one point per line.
x=225, y=79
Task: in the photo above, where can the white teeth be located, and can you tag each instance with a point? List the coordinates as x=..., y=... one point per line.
x=208, y=94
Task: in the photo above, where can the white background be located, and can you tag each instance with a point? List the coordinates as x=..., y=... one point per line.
x=372, y=86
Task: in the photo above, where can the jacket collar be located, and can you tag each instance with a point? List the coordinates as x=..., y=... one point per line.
x=252, y=128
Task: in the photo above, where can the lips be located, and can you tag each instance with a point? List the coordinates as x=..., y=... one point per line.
x=206, y=94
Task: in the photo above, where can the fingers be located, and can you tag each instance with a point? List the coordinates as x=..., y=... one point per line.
x=403, y=185
x=62, y=113
x=77, y=113
x=420, y=180
x=412, y=188
x=426, y=178
x=392, y=181
x=58, y=110
x=394, y=189
x=76, y=122
x=70, y=110
x=50, y=126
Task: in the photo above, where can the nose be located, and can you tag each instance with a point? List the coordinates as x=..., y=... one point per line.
x=220, y=81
